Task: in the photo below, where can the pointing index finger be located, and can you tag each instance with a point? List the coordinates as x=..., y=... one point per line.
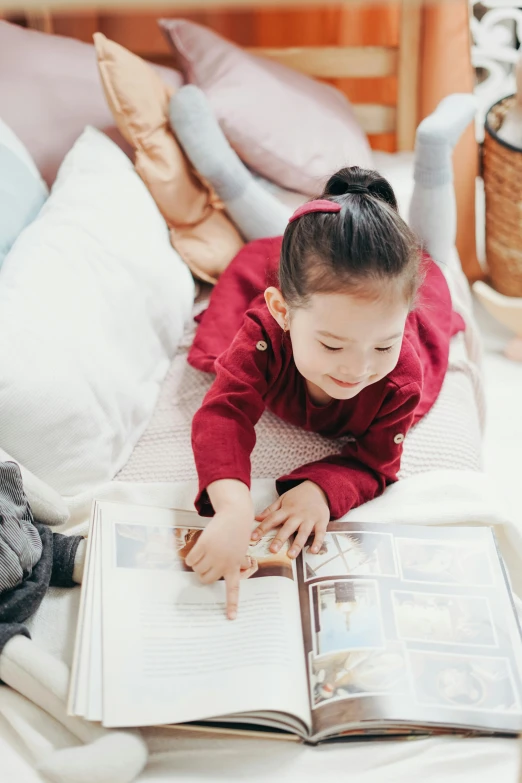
x=232, y=593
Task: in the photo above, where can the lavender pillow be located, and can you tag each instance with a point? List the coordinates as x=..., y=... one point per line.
x=50, y=90
x=284, y=125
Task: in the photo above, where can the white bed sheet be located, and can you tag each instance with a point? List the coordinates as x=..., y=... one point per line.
x=205, y=759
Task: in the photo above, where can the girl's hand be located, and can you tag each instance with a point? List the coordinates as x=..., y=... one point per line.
x=302, y=508
x=221, y=552
x=248, y=567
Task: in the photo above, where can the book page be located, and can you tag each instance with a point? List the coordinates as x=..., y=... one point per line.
x=85, y=697
x=77, y=698
x=94, y=706
x=169, y=653
x=410, y=625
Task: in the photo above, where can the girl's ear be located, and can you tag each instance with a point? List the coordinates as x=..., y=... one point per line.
x=277, y=307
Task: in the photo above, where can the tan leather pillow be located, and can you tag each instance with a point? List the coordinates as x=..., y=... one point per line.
x=199, y=228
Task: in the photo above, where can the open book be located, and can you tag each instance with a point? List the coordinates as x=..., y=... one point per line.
x=388, y=630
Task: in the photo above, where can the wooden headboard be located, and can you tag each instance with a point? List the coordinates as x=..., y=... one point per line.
x=344, y=62
x=396, y=116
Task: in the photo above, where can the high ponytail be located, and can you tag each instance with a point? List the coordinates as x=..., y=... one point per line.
x=358, y=181
x=360, y=248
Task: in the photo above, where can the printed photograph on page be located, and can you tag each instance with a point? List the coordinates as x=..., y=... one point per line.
x=445, y=562
x=346, y=616
x=356, y=673
x=444, y=618
x=464, y=682
x=353, y=553
x=155, y=547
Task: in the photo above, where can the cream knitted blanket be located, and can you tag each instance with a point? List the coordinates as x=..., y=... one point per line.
x=448, y=437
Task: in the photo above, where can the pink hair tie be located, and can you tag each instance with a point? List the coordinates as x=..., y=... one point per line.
x=318, y=205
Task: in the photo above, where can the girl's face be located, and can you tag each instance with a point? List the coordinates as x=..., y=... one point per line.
x=343, y=343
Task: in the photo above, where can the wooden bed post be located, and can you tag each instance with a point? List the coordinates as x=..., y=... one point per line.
x=40, y=19
x=408, y=74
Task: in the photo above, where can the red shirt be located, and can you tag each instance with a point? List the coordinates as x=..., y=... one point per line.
x=257, y=371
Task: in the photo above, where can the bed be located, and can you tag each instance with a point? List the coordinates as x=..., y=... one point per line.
x=441, y=481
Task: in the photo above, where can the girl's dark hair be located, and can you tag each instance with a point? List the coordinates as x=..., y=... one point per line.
x=366, y=244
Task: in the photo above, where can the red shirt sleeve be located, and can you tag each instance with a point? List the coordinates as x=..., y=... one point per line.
x=366, y=466
x=223, y=429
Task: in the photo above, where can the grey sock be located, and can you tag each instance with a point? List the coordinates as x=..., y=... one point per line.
x=437, y=136
x=199, y=134
x=255, y=212
x=433, y=211
x=64, y=557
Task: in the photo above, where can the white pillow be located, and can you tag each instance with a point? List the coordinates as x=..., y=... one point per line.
x=93, y=302
x=46, y=504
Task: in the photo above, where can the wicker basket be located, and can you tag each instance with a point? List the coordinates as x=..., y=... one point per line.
x=502, y=171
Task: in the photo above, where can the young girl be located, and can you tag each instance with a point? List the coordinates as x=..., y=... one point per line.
x=352, y=342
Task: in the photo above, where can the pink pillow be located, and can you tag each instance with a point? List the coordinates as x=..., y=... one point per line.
x=290, y=128
x=50, y=90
